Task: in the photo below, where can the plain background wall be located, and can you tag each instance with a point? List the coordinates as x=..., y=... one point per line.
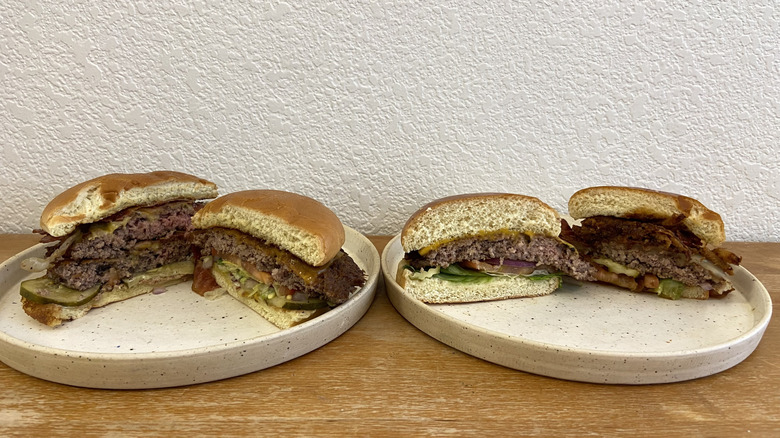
x=375, y=108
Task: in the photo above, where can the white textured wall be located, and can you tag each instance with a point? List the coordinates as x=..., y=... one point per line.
x=379, y=107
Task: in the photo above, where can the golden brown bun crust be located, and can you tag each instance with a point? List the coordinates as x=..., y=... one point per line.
x=640, y=203
x=471, y=214
x=105, y=195
x=296, y=223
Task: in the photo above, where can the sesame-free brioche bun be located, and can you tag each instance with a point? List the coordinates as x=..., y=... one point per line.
x=477, y=214
x=646, y=204
x=106, y=195
x=296, y=223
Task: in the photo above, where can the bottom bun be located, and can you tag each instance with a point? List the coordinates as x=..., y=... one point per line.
x=437, y=291
x=696, y=293
x=282, y=318
x=53, y=314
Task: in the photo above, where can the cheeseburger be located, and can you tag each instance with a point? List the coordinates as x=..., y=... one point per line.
x=277, y=252
x=482, y=247
x=644, y=240
x=112, y=238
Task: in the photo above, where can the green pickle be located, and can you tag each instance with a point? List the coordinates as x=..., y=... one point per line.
x=311, y=304
x=284, y=303
x=43, y=290
x=173, y=270
x=671, y=289
x=260, y=291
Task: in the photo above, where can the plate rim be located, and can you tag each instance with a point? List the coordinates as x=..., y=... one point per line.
x=362, y=297
x=396, y=293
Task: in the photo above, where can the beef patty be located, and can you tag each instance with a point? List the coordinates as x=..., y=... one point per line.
x=132, y=241
x=83, y=274
x=665, y=250
x=543, y=250
x=333, y=282
x=137, y=225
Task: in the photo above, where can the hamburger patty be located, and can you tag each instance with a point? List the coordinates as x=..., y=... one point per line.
x=86, y=273
x=665, y=251
x=333, y=282
x=542, y=250
x=129, y=242
x=138, y=225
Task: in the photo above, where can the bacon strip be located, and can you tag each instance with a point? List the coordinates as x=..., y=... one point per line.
x=721, y=258
x=47, y=238
x=620, y=280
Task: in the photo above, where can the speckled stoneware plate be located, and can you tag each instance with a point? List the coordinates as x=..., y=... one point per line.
x=170, y=339
x=595, y=333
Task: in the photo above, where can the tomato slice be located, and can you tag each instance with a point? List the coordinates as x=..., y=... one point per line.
x=261, y=276
x=202, y=279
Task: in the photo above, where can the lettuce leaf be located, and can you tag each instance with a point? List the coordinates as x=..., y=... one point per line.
x=458, y=274
x=422, y=274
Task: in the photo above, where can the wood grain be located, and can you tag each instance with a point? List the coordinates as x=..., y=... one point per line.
x=386, y=378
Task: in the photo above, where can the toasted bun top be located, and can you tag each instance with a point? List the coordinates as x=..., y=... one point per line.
x=477, y=214
x=638, y=203
x=293, y=222
x=105, y=195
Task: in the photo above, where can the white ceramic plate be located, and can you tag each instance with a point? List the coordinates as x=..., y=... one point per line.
x=595, y=333
x=171, y=339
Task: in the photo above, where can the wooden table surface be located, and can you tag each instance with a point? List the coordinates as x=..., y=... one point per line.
x=384, y=377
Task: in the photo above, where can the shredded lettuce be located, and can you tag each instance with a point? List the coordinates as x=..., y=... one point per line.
x=258, y=291
x=422, y=274
x=458, y=274
x=540, y=277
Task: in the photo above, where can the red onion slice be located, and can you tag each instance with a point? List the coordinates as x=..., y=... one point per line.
x=299, y=296
x=519, y=263
x=517, y=267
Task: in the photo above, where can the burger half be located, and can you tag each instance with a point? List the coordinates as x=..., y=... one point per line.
x=277, y=252
x=487, y=246
x=112, y=238
x=650, y=241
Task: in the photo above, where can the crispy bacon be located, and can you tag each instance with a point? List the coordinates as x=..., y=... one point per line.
x=727, y=256
x=48, y=238
x=604, y=230
x=620, y=280
x=657, y=249
x=650, y=281
x=721, y=258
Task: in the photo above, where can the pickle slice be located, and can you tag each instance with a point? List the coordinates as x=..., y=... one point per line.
x=43, y=290
x=311, y=304
x=284, y=303
x=670, y=289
